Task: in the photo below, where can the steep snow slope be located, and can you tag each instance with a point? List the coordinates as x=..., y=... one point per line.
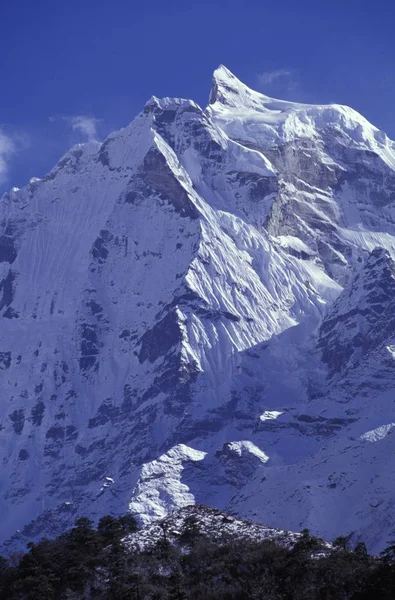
x=168, y=334
x=347, y=484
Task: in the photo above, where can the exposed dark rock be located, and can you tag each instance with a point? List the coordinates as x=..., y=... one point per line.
x=37, y=413
x=83, y=451
x=5, y=360
x=23, y=455
x=103, y=155
x=38, y=388
x=8, y=251
x=89, y=347
x=100, y=246
x=17, y=419
x=7, y=287
x=106, y=412
x=10, y=313
x=161, y=338
x=71, y=433
x=94, y=307
x=366, y=321
x=55, y=433
x=166, y=186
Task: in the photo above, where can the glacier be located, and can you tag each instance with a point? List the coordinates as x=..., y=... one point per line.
x=200, y=309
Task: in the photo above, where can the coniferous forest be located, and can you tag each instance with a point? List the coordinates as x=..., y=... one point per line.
x=91, y=562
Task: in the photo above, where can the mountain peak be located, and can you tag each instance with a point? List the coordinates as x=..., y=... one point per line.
x=227, y=89
x=156, y=104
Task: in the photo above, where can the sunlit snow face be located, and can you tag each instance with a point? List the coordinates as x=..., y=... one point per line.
x=270, y=415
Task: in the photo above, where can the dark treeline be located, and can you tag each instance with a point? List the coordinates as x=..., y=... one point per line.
x=90, y=563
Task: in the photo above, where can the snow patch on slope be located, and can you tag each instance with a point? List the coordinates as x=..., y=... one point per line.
x=160, y=488
x=270, y=415
x=375, y=435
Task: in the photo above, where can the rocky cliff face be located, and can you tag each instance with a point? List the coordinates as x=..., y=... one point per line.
x=201, y=309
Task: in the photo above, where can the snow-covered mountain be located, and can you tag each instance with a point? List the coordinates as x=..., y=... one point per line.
x=201, y=309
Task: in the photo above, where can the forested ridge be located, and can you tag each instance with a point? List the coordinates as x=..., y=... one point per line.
x=89, y=562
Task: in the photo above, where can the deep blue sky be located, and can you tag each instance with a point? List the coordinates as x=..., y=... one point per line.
x=104, y=59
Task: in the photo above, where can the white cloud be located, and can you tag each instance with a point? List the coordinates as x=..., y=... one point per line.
x=7, y=149
x=281, y=83
x=83, y=124
x=270, y=77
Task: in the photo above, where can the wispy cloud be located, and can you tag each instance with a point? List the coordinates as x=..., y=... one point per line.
x=269, y=77
x=10, y=145
x=88, y=126
x=7, y=149
x=85, y=125
x=281, y=82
